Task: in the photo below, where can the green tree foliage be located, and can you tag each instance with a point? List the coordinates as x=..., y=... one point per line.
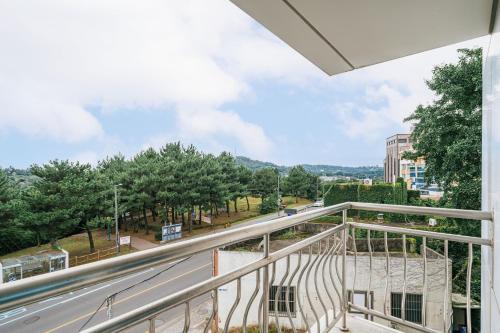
x=63, y=200
x=269, y=204
x=447, y=135
x=244, y=179
x=297, y=182
x=447, y=132
x=13, y=233
x=169, y=185
x=264, y=182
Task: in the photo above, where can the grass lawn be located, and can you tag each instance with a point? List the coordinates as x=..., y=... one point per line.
x=290, y=202
x=223, y=219
x=76, y=245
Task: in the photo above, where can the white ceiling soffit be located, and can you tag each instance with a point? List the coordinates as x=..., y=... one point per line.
x=341, y=35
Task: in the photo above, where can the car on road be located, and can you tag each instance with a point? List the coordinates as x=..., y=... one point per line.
x=319, y=203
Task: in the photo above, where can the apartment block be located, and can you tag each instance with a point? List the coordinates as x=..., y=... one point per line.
x=395, y=146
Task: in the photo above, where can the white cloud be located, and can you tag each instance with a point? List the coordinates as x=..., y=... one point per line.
x=381, y=109
x=60, y=58
x=209, y=130
x=204, y=124
x=393, y=90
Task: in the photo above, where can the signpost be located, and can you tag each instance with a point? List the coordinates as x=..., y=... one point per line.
x=170, y=232
x=126, y=240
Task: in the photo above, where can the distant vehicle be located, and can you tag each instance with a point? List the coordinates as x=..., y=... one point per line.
x=296, y=210
x=319, y=203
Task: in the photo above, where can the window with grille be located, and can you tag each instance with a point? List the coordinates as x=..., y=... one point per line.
x=413, y=307
x=282, y=300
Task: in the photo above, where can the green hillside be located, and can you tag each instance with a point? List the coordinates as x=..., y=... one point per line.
x=319, y=169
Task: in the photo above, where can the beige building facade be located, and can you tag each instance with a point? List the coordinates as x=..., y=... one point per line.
x=395, y=146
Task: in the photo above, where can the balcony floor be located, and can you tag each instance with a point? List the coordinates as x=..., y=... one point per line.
x=361, y=325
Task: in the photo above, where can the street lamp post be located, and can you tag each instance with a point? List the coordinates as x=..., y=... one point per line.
x=116, y=219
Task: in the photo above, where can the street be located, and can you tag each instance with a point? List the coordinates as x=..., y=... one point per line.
x=67, y=313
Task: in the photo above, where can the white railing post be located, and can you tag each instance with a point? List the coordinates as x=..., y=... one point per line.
x=344, y=273
x=152, y=326
x=265, y=303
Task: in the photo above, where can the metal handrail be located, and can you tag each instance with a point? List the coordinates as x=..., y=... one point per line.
x=423, y=233
x=39, y=287
x=419, y=210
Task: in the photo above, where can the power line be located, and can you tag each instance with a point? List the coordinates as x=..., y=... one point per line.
x=112, y=296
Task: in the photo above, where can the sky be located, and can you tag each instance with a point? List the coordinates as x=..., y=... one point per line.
x=82, y=80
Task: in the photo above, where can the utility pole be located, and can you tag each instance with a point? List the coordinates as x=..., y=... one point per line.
x=116, y=219
x=279, y=201
x=323, y=185
x=317, y=189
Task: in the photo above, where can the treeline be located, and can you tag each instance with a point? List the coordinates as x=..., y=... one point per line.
x=374, y=172
x=173, y=184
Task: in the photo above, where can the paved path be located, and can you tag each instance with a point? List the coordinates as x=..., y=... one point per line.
x=142, y=244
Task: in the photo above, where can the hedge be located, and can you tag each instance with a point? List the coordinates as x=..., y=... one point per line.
x=384, y=193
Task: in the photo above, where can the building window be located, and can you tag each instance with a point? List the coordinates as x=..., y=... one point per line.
x=282, y=311
x=402, y=141
x=413, y=307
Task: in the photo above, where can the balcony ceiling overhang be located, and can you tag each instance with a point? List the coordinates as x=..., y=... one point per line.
x=342, y=35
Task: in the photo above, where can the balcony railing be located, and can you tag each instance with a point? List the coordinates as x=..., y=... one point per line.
x=326, y=265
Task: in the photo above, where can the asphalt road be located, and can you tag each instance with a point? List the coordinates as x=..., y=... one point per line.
x=69, y=312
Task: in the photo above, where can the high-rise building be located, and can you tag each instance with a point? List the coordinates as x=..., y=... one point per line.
x=395, y=146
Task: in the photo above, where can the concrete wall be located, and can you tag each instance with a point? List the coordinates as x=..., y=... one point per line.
x=230, y=260
x=490, y=281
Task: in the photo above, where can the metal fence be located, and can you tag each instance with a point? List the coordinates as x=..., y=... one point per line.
x=324, y=269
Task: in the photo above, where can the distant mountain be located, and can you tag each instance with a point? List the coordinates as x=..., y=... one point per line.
x=319, y=169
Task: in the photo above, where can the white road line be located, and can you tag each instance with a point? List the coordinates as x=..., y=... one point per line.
x=76, y=297
x=50, y=299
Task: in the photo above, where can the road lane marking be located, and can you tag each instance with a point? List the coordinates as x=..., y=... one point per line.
x=75, y=297
x=127, y=298
x=50, y=299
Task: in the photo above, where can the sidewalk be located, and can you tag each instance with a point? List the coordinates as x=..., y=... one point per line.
x=142, y=244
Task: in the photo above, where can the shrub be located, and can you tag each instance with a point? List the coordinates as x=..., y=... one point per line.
x=383, y=193
x=269, y=204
